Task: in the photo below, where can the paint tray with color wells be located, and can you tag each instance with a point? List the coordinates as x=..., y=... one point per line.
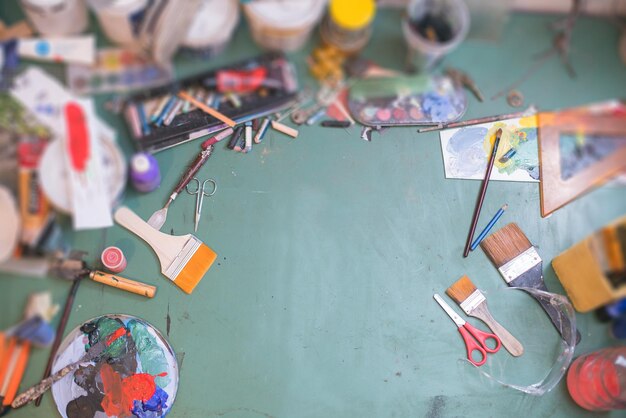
x=159, y=119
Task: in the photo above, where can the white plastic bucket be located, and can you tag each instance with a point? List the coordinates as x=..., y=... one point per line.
x=283, y=25
x=56, y=17
x=212, y=27
x=119, y=19
x=425, y=54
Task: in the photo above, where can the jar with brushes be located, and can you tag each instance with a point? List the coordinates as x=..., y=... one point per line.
x=348, y=24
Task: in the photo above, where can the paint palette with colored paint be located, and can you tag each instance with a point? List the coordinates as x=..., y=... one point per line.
x=406, y=100
x=138, y=378
x=116, y=70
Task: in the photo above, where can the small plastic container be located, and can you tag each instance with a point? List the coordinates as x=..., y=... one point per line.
x=283, y=25
x=113, y=260
x=597, y=381
x=120, y=19
x=424, y=54
x=212, y=28
x=145, y=174
x=56, y=17
x=347, y=25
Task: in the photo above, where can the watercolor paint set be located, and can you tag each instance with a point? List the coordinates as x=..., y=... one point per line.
x=116, y=70
x=161, y=117
x=406, y=100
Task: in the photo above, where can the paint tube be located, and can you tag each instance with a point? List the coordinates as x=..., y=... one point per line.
x=78, y=49
x=34, y=206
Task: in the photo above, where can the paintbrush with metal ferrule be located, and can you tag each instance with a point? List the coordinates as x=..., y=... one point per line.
x=520, y=265
x=96, y=353
x=184, y=258
x=474, y=303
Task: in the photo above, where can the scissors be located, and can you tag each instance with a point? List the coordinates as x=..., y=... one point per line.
x=475, y=339
x=200, y=192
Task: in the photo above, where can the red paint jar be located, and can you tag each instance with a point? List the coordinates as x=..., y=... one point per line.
x=597, y=381
x=113, y=259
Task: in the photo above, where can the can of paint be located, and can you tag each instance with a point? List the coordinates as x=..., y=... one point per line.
x=56, y=17
x=424, y=54
x=120, y=19
x=212, y=28
x=347, y=25
x=145, y=175
x=113, y=260
x=283, y=26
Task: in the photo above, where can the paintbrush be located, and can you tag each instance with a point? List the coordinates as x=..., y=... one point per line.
x=474, y=303
x=520, y=265
x=13, y=367
x=483, y=192
x=184, y=258
x=96, y=353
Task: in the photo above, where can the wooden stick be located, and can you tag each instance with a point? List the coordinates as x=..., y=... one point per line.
x=123, y=283
x=217, y=115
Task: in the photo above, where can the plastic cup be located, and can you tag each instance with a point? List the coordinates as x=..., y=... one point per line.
x=283, y=25
x=56, y=17
x=212, y=28
x=120, y=19
x=425, y=54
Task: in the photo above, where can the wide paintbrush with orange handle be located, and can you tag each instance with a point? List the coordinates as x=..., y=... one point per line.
x=474, y=303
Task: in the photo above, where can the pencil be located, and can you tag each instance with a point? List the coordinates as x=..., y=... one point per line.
x=490, y=225
x=483, y=192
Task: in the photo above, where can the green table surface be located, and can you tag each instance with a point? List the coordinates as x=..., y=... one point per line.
x=330, y=248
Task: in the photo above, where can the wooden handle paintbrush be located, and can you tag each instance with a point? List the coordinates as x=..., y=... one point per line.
x=96, y=352
x=123, y=283
x=184, y=259
x=483, y=192
x=474, y=303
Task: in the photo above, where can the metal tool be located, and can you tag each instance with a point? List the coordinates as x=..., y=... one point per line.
x=463, y=79
x=475, y=339
x=200, y=192
x=158, y=218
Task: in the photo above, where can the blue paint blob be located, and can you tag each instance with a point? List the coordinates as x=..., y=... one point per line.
x=439, y=108
x=42, y=48
x=153, y=407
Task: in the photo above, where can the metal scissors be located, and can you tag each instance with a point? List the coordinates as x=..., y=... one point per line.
x=475, y=339
x=200, y=192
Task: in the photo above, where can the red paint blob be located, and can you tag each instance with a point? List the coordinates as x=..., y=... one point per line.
x=120, y=394
x=77, y=137
x=111, y=338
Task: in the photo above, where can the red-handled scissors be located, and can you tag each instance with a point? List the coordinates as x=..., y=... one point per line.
x=475, y=339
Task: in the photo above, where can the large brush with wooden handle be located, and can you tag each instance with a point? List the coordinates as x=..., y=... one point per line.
x=520, y=265
x=184, y=258
x=474, y=303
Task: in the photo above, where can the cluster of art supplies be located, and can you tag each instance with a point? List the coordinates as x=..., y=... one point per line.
x=238, y=104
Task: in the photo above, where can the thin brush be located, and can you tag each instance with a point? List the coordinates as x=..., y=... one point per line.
x=489, y=226
x=520, y=265
x=474, y=303
x=483, y=192
x=69, y=302
x=95, y=353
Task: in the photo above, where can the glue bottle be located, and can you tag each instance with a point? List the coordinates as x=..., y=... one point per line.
x=597, y=381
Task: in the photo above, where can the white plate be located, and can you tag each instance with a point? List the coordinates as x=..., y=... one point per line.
x=9, y=223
